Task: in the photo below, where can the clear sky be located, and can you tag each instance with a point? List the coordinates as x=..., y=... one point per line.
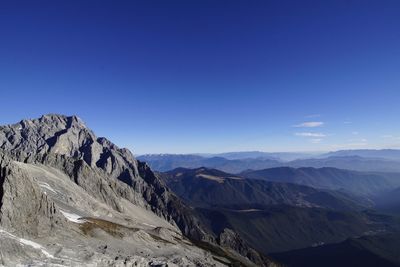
x=208, y=76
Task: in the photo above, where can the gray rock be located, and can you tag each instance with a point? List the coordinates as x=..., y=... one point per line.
x=96, y=164
x=59, y=181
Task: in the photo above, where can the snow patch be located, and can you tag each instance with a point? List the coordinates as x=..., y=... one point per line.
x=28, y=243
x=36, y=246
x=72, y=217
x=47, y=186
x=149, y=225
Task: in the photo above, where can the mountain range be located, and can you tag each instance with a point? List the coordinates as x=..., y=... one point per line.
x=281, y=156
x=167, y=162
x=390, y=154
x=264, y=212
x=355, y=182
x=209, y=187
x=69, y=198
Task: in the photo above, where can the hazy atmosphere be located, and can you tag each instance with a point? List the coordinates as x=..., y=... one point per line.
x=208, y=76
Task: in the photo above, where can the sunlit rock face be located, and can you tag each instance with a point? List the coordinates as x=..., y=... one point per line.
x=70, y=198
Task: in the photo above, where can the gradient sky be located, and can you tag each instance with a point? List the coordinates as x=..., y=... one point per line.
x=208, y=76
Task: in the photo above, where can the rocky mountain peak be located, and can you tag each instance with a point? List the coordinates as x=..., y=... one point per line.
x=66, y=143
x=63, y=147
x=56, y=134
x=52, y=122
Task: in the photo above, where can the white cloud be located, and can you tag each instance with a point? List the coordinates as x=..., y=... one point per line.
x=313, y=116
x=355, y=133
x=308, y=134
x=309, y=124
x=316, y=140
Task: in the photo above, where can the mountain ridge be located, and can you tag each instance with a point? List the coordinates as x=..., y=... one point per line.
x=355, y=182
x=167, y=162
x=263, y=212
x=232, y=190
x=108, y=174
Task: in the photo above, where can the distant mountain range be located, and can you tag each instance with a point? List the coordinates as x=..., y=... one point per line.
x=356, y=163
x=360, y=183
x=282, y=156
x=166, y=162
x=391, y=154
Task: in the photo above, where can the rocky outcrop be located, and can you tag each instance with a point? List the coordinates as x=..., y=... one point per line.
x=230, y=239
x=24, y=208
x=48, y=220
x=96, y=164
x=106, y=173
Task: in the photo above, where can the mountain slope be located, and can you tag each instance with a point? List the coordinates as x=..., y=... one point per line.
x=369, y=251
x=270, y=216
x=48, y=219
x=67, y=182
x=66, y=143
x=281, y=227
x=209, y=187
x=389, y=201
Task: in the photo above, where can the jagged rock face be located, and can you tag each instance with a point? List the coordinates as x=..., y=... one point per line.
x=228, y=238
x=102, y=171
x=96, y=164
x=23, y=206
x=48, y=220
x=51, y=133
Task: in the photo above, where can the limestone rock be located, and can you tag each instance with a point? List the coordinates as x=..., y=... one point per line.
x=61, y=186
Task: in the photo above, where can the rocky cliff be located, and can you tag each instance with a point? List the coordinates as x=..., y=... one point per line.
x=58, y=179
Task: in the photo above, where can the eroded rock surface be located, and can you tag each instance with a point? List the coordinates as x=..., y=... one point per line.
x=70, y=198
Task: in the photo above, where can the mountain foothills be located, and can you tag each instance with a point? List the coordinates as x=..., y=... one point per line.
x=209, y=187
x=69, y=198
x=276, y=216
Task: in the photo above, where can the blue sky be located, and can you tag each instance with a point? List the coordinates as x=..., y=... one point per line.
x=208, y=76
